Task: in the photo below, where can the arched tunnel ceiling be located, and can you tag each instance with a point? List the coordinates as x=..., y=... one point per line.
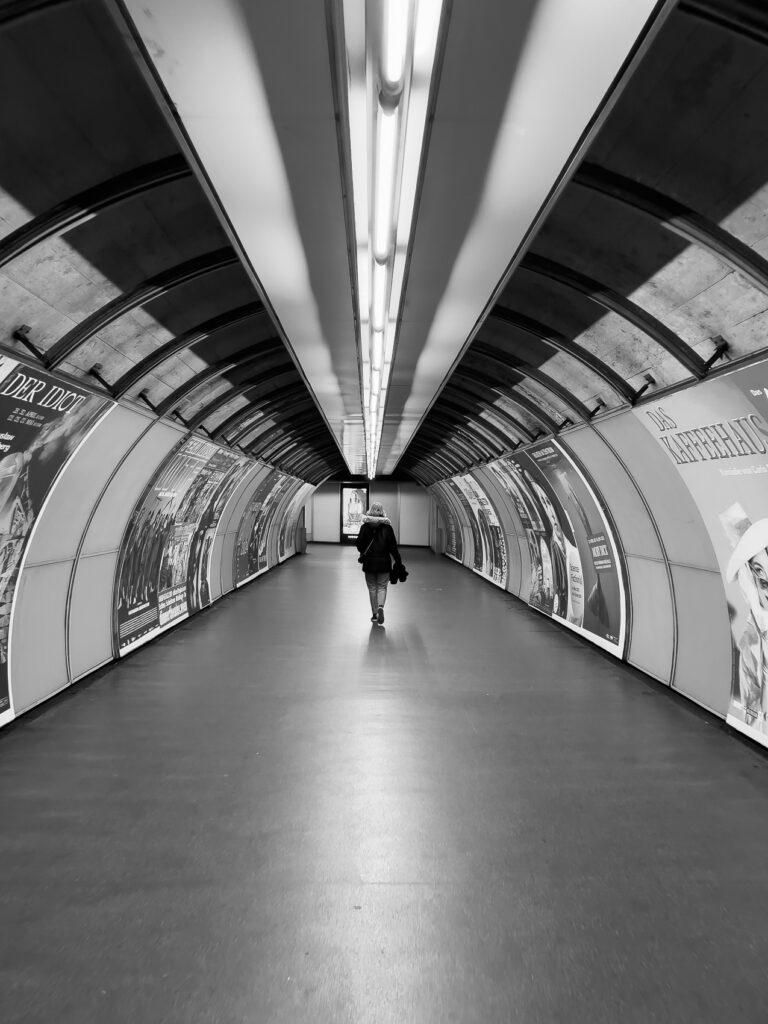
x=253, y=89
x=173, y=223
x=650, y=270
x=114, y=267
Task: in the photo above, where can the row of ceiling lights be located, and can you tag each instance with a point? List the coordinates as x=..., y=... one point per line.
x=390, y=48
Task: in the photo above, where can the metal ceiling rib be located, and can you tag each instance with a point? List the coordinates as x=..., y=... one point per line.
x=188, y=339
x=216, y=370
x=80, y=208
x=152, y=288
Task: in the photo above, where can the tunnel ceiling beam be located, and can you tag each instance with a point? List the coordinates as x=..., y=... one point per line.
x=241, y=389
x=489, y=430
x=751, y=23
x=82, y=207
x=555, y=340
x=486, y=448
x=450, y=447
x=519, y=366
x=429, y=458
x=16, y=9
x=614, y=302
x=245, y=420
x=276, y=402
x=678, y=219
x=549, y=425
x=307, y=462
x=441, y=459
x=264, y=439
x=508, y=436
x=150, y=289
x=248, y=356
x=278, y=448
x=428, y=473
x=189, y=339
x=479, y=392
x=274, y=430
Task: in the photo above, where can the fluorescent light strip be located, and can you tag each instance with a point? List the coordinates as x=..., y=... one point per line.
x=384, y=186
x=395, y=42
x=382, y=155
x=379, y=296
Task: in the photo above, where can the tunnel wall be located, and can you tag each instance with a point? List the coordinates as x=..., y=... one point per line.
x=117, y=526
x=680, y=485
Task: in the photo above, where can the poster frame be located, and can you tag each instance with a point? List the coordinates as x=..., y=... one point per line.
x=348, y=538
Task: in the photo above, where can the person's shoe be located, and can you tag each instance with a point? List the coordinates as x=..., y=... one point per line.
x=374, y=618
x=380, y=616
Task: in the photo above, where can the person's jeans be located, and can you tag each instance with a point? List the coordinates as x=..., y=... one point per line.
x=377, y=589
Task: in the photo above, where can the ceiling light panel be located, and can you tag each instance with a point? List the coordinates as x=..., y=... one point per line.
x=389, y=61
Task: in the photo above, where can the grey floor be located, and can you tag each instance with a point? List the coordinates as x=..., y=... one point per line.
x=280, y=813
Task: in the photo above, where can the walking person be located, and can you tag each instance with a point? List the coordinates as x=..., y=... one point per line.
x=377, y=546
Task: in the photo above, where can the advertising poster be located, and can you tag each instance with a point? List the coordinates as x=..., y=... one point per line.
x=575, y=572
x=454, y=545
x=232, y=470
x=251, y=555
x=461, y=499
x=42, y=421
x=164, y=561
x=287, y=539
x=354, y=502
x=493, y=551
x=716, y=436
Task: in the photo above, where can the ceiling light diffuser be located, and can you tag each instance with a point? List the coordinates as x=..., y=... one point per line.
x=390, y=48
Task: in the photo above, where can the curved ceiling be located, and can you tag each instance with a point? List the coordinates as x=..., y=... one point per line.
x=114, y=267
x=650, y=271
x=174, y=220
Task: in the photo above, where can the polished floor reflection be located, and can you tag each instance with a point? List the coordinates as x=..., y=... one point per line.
x=279, y=812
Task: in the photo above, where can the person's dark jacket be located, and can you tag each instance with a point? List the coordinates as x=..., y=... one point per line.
x=384, y=547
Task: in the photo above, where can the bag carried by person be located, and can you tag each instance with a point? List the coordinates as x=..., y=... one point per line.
x=398, y=573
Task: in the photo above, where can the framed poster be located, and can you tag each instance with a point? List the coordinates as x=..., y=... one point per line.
x=716, y=436
x=354, y=502
x=43, y=420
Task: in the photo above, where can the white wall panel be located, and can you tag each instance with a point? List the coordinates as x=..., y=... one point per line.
x=704, y=651
x=634, y=526
x=680, y=525
x=326, y=514
x=214, y=577
x=414, y=515
x=651, y=644
x=109, y=522
x=60, y=528
x=227, y=562
x=38, y=650
x=90, y=615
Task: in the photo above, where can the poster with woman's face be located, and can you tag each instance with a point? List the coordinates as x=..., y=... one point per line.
x=354, y=502
x=716, y=436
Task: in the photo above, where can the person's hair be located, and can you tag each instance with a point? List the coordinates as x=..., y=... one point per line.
x=376, y=509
